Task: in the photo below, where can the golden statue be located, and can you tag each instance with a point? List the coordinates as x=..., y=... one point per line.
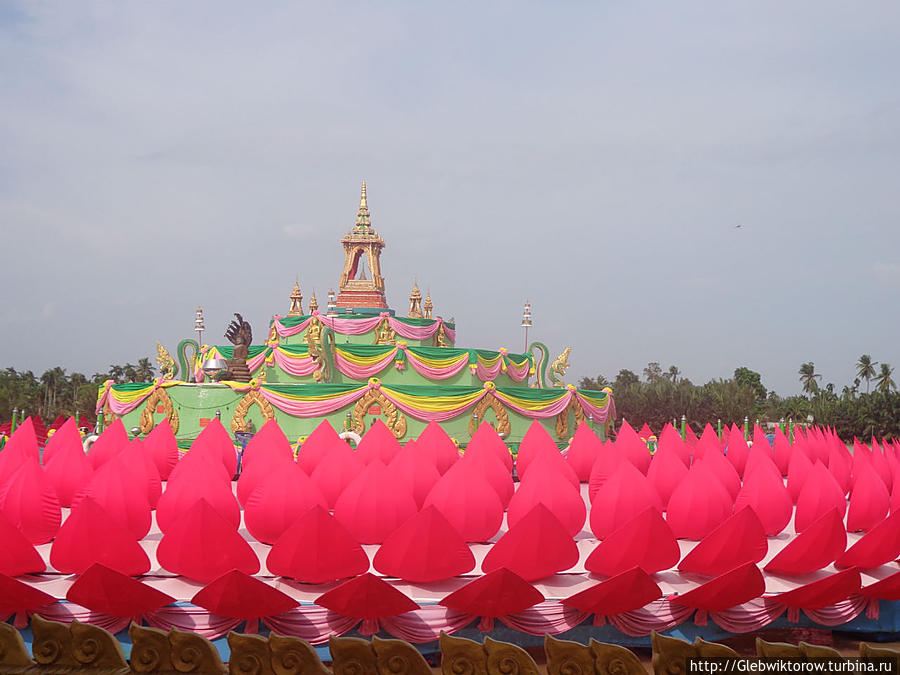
x=166, y=362
x=415, y=303
x=314, y=336
x=559, y=367
x=428, y=306
x=384, y=335
x=296, y=301
x=441, y=337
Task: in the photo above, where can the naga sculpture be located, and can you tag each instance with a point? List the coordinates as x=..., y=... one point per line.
x=166, y=362
x=187, y=352
x=240, y=334
x=558, y=368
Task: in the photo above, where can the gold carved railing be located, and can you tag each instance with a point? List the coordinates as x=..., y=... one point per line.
x=83, y=648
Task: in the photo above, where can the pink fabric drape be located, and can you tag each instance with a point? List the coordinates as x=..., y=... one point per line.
x=658, y=615
x=195, y=619
x=313, y=624
x=66, y=612
x=316, y=624
x=118, y=407
x=425, y=624
x=297, y=366
x=435, y=373
x=421, y=332
x=362, y=372
x=115, y=406
x=550, y=411
x=517, y=373
x=254, y=363
x=488, y=374
x=599, y=415
x=545, y=617
x=431, y=416
x=840, y=612
x=312, y=408
x=360, y=326
x=750, y=616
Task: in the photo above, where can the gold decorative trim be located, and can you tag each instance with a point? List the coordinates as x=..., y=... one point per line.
x=83, y=648
x=508, y=659
x=562, y=420
x=572, y=658
x=492, y=402
x=166, y=362
x=461, y=656
x=313, y=335
x=670, y=654
x=158, y=395
x=108, y=415
x=395, y=420
x=440, y=338
x=13, y=652
x=77, y=647
x=559, y=367
x=384, y=334
x=239, y=419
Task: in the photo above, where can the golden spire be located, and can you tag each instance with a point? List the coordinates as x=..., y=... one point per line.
x=296, y=301
x=415, y=302
x=362, y=214
x=313, y=303
x=428, y=306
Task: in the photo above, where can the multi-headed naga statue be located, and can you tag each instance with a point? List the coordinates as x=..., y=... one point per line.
x=240, y=334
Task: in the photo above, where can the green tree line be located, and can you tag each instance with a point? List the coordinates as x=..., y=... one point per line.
x=662, y=396
x=57, y=392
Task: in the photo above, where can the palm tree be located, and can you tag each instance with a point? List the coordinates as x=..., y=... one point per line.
x=144, y=371
x=673, y=374
x=808, y=377
x=885, y=383
x=865, y=368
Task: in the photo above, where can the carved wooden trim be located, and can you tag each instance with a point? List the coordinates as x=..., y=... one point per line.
x=13, y=652
x=562, y=420
x=395, y=419
x=239, y=419
x=78, y=646
x=489, y=401
x=159, y=395
x=108, y=415
x=83, y=648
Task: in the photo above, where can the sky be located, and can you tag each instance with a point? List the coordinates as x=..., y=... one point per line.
x=704, y=184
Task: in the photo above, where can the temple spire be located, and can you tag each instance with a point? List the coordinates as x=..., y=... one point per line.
x=362, y=214
x=361, y=287
x=296, y=300
x=415, y=302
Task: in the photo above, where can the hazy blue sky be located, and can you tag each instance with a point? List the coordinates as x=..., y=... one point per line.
x=593, y=157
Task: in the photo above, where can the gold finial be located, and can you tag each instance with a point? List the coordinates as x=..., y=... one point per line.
x=415, y=303
x=362, y=214
x=313, y=303
x=296, y=300
x=428, y=306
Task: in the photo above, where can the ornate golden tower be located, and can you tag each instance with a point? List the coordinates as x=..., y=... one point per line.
x=313, y=303
x=296, y=301
x=415, y=303
x=428, y=307
x=362, y=248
